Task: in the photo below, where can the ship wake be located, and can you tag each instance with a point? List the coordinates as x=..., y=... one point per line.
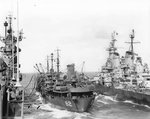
x=49, y=111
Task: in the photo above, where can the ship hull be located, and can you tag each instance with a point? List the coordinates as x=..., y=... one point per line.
x=9, y=109
x=1, y=107
x=75, y=105
x=122, y=95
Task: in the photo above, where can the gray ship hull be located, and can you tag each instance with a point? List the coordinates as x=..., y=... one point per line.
x=75, y=105
x=122, y=94
x=1, y=97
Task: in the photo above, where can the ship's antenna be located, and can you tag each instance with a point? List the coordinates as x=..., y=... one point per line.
x=13, y=46
x=132, y=35
x=18, y=82
x=13, y=77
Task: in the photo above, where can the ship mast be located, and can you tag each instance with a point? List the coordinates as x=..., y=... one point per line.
x=10, y=17
x=131, y=44
x=47, y=64
x=58, y=63
x=113, y=38
x=132, y=37
x=112, y=47
x=52, y=60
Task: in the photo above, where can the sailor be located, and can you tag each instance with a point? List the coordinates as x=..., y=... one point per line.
x=2, y=65
x=12, y=94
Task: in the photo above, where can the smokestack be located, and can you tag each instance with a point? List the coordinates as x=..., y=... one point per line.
x=70, y=71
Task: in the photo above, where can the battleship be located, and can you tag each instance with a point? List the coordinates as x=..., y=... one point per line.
x=126, y=77
x=11, y=91
x=68, y=91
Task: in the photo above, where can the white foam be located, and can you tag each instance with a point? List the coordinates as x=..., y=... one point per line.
x=146, y=106
x=129, y=101
x=97, y=97
x=104, y=99
x=61, y=113
x=29, y=117
x=104, y=102
x=112, y=98
x=80, y=115
x=54, y=112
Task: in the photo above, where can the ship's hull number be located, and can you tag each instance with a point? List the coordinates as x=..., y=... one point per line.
x=68, y=103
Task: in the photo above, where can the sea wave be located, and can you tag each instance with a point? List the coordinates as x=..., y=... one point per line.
x=49, y=111
x=112, y=98
x=131, y=102
x=105, y=99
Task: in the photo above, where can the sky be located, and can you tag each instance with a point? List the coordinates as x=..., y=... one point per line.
x=81, y=29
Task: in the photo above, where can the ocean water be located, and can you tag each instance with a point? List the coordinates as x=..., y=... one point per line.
x=104, y=107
